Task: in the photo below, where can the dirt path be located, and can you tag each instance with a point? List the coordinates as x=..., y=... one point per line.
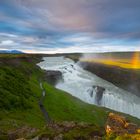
x=42, y=108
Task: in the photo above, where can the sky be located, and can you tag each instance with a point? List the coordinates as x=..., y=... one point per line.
x=65, y=26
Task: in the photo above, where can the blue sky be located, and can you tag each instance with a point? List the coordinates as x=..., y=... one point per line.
x=57, y=26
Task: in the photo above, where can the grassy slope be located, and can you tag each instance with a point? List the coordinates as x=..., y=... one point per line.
x=18, y=79
x=64, y=107
x=19, y=93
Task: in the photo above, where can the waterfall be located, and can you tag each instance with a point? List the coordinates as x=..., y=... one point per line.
x=90, y=88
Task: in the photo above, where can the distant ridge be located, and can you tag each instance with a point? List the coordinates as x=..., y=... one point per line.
x=11, y=52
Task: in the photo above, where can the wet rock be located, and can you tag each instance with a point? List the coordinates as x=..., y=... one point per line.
x=53, y=77
x=72, y=65
x=119, y=125
x=99, y=93
x=90, y=91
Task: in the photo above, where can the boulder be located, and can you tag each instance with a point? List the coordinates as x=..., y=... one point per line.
x=119, y=125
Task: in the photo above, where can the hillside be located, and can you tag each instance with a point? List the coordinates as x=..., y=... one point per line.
x=20, y=115
x=10, y=52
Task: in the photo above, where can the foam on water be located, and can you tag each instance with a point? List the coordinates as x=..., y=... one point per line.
x=79, y=83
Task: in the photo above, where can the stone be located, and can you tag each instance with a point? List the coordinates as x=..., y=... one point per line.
x=119, y=125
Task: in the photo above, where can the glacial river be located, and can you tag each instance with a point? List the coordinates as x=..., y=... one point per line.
x=90, y=88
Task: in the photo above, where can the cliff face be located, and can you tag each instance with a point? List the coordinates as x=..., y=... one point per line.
x=52, y=77
x=124, y=78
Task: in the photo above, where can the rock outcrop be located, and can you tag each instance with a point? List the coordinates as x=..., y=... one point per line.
x=99, y=93
x=119, y=125
x=53, y=77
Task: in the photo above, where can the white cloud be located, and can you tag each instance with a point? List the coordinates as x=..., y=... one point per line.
x=7, y=42
x=82, y=49
x=77, y=39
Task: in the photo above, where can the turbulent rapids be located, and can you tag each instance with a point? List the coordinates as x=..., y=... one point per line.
x=90, y=88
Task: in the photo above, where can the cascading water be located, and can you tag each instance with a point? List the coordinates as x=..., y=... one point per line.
x=90, y=88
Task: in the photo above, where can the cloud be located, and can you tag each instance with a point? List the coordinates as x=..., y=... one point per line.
x=86, y=25
x=7, y=42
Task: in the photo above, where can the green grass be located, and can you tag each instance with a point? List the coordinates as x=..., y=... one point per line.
x=128, y=137
x=64, y=107
x=19, y=93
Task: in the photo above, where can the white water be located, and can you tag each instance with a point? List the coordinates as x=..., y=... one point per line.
x=80, y=82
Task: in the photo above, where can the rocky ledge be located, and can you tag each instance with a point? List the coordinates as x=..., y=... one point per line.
x=124, y=78
x=53, y=77
x=117, y=127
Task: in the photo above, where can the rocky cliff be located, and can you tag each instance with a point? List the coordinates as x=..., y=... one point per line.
x=123, y=78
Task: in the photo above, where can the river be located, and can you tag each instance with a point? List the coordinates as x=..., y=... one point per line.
x=90, y=88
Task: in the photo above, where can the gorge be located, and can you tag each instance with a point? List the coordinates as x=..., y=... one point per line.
x=90, y=88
